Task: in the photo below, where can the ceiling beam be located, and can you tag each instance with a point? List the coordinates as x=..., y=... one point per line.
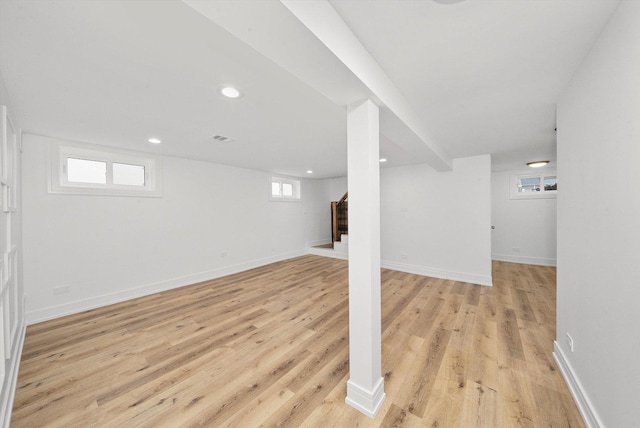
x=327, y=25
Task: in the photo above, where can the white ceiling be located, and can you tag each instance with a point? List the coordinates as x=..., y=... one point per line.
x=483, y=76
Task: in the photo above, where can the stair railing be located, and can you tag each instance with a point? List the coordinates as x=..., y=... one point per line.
x=339, y=218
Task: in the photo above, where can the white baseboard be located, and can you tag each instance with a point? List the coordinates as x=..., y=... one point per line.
x=439, y=273
x=585, y=407
x=538, y=261
x=74, y=307
x=365, y=401
x=11, y=377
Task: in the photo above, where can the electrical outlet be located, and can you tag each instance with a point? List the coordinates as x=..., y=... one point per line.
x=516, y=249
x=63, y=289
x=569, y=340
x=404, y=256
x=223, y=254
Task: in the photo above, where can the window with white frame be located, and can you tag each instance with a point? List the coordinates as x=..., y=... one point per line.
x=526, y=186
x=78, y=169
x=285, y=189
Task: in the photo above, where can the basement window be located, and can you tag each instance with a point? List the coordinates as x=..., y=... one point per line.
x=534, y=186
x=78, y=169
x=86, y=171
x=285, y=189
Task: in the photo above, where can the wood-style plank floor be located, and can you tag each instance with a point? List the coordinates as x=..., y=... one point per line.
x=269, y=347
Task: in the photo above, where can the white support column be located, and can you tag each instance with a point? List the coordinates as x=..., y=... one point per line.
x=365, y=388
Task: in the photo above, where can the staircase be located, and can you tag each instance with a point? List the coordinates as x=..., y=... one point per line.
x=342, y=246
x=339, y=219
x=339, y=231
x=340, y=249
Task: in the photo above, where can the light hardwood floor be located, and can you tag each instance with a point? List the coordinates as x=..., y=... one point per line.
x=269, y=347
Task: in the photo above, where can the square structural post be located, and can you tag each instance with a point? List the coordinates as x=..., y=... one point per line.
x=365, y=388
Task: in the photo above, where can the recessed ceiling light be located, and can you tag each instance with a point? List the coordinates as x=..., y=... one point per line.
x=230, y=92
x=154, y=141
x=537, y=164
x=309, y=171
x=383, y=159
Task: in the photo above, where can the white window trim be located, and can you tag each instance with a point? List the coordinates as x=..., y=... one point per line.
x=57, y=180
x=542, y=194
x=297, y=189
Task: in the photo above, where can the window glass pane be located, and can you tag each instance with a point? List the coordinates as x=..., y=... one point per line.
x=531, y=184
x=86, y=171
x=550, y=183
x=287, y=189
x=130, y=175
x=275, y=189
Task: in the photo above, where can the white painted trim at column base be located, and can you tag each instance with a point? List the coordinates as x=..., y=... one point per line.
x=367, y=402
x=585, y=407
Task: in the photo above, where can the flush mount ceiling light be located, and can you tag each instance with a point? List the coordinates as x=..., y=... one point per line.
x=154, y=141
x=537, y=164
x=309, y=171
x=230, y=92
x=382, y=160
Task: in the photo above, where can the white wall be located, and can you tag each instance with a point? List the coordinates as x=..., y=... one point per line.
x=525, y=228
x=212, y=220
x=599, y=225
x=337, y=188
x=438, y=223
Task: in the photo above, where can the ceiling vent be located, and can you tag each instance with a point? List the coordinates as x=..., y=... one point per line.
x=223, y=139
